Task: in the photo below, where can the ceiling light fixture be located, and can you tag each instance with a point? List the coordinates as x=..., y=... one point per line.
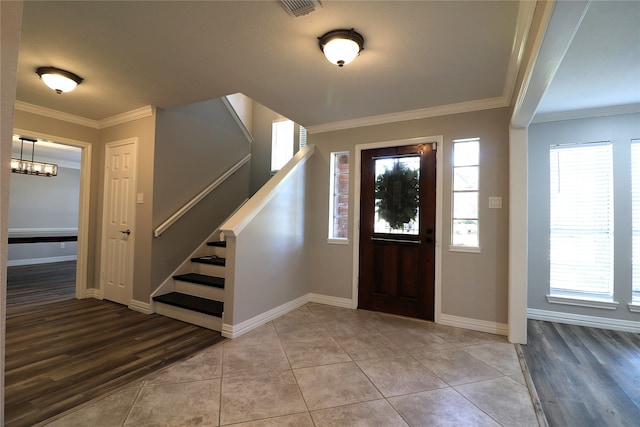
x=30, y=167
x=59, y=80
x=341, y=46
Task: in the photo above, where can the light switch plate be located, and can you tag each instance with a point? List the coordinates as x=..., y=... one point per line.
x=495, y=202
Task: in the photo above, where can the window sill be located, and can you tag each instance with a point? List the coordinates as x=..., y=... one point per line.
x=467, y=249
x=634, y=307
x=583, y=302
x=338, y=241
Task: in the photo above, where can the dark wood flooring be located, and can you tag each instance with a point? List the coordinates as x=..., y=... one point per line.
x=585, y=376
x=61, y=352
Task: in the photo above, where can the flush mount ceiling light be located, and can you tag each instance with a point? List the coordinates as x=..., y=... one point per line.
x=341, y=46
x=59, y=80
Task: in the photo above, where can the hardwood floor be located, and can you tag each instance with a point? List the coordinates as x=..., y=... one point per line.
x=585, y=376
x=61, y=352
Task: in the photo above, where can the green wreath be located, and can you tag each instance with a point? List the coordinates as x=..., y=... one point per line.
x=397, y=195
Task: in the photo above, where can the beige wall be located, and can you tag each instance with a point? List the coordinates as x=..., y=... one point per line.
x=473, y=285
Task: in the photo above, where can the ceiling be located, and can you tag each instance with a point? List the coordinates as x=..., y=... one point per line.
x=418, y=55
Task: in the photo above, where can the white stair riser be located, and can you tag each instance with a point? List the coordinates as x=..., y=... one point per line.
x=193, y=317
x=209, y=269
x=218, y=251
x=202, y=291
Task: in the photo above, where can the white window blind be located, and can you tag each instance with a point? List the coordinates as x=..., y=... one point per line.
x=581, y=220
x=635, y=209
x=281, y=144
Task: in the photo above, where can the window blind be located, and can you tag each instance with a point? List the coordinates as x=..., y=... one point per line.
x=581, y=219
x=635, y=214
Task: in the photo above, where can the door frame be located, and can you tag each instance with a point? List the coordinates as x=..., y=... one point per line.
x=103, y=234
x=438, y=139
x=83, y=204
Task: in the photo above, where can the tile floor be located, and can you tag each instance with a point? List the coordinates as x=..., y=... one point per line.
x=325, y=366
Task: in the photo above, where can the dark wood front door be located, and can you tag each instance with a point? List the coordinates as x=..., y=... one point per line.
x=397, y=230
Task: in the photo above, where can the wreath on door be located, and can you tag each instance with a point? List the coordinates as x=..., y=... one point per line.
x=397, y=195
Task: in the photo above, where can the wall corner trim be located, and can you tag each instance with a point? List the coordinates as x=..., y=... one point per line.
x=474, y=324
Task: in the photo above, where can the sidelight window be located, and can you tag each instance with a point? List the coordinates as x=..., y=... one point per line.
x=466, y=182
x=339, y=197
x=635, y=201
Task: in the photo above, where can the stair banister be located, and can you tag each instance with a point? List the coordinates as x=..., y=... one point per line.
x=204, y=193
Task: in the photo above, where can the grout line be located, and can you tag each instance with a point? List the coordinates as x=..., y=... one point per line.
x=537, y=405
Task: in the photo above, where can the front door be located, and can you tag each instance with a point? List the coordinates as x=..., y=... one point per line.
x=397, y=230
x=118, y=220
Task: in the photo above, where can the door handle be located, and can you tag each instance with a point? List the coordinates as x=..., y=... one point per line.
x=127, y=231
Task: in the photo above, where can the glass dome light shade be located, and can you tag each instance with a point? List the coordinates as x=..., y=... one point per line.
x=341, y=46
x=58, y=80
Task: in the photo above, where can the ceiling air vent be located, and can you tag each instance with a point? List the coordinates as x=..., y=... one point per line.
x=300, y=7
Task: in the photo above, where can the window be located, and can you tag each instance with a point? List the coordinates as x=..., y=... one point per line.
x=635, y=209
x=581, y=220
x=466, y=178
x=339, y=196
x=281, y=144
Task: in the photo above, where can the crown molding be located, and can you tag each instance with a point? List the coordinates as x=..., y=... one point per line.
x=526, y=10
x=423, y=113
x=129, y=116
x=55, y=114
x=586, y=113
x=83, y=121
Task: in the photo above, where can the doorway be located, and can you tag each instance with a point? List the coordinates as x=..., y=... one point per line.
x=398, y=221
x=81, y=269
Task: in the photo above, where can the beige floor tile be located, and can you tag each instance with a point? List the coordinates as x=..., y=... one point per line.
x=400, y=375
x=261, y=396
x=349, y=326
x=327, y=312
x=333, y=385
x=296, y=420
x=313, y=353
x=456, y=367
x=265, y=334
x=369, y=346
x=415, y=341
x=205, y=365
x=465, y=337
x=253, y=359
x=177, y=405
x=500, y=356
x=376, y=413
x=299, y=316
x=301, y=332
x=443, y=407
x=504, y=399
x=107, y=412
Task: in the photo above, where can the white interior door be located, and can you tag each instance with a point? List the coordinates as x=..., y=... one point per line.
x=118, y=221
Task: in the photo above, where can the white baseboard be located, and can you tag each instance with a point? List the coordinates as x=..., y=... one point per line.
x=328, y=300
x=474, y=324
x=92, y=293
x=46, y=260
x=234, y=331
x=142, y=307
x=582, y=320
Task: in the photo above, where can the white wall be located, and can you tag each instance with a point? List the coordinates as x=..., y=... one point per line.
x=620, y=130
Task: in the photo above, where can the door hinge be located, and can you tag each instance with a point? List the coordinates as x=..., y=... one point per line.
x=434, y=146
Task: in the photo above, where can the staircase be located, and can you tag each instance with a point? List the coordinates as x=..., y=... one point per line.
x=198, y=296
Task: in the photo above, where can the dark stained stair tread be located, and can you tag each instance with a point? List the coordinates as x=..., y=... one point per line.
x=209, y=259
x=219, y=243
x=201, y=279
x=190, y=302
